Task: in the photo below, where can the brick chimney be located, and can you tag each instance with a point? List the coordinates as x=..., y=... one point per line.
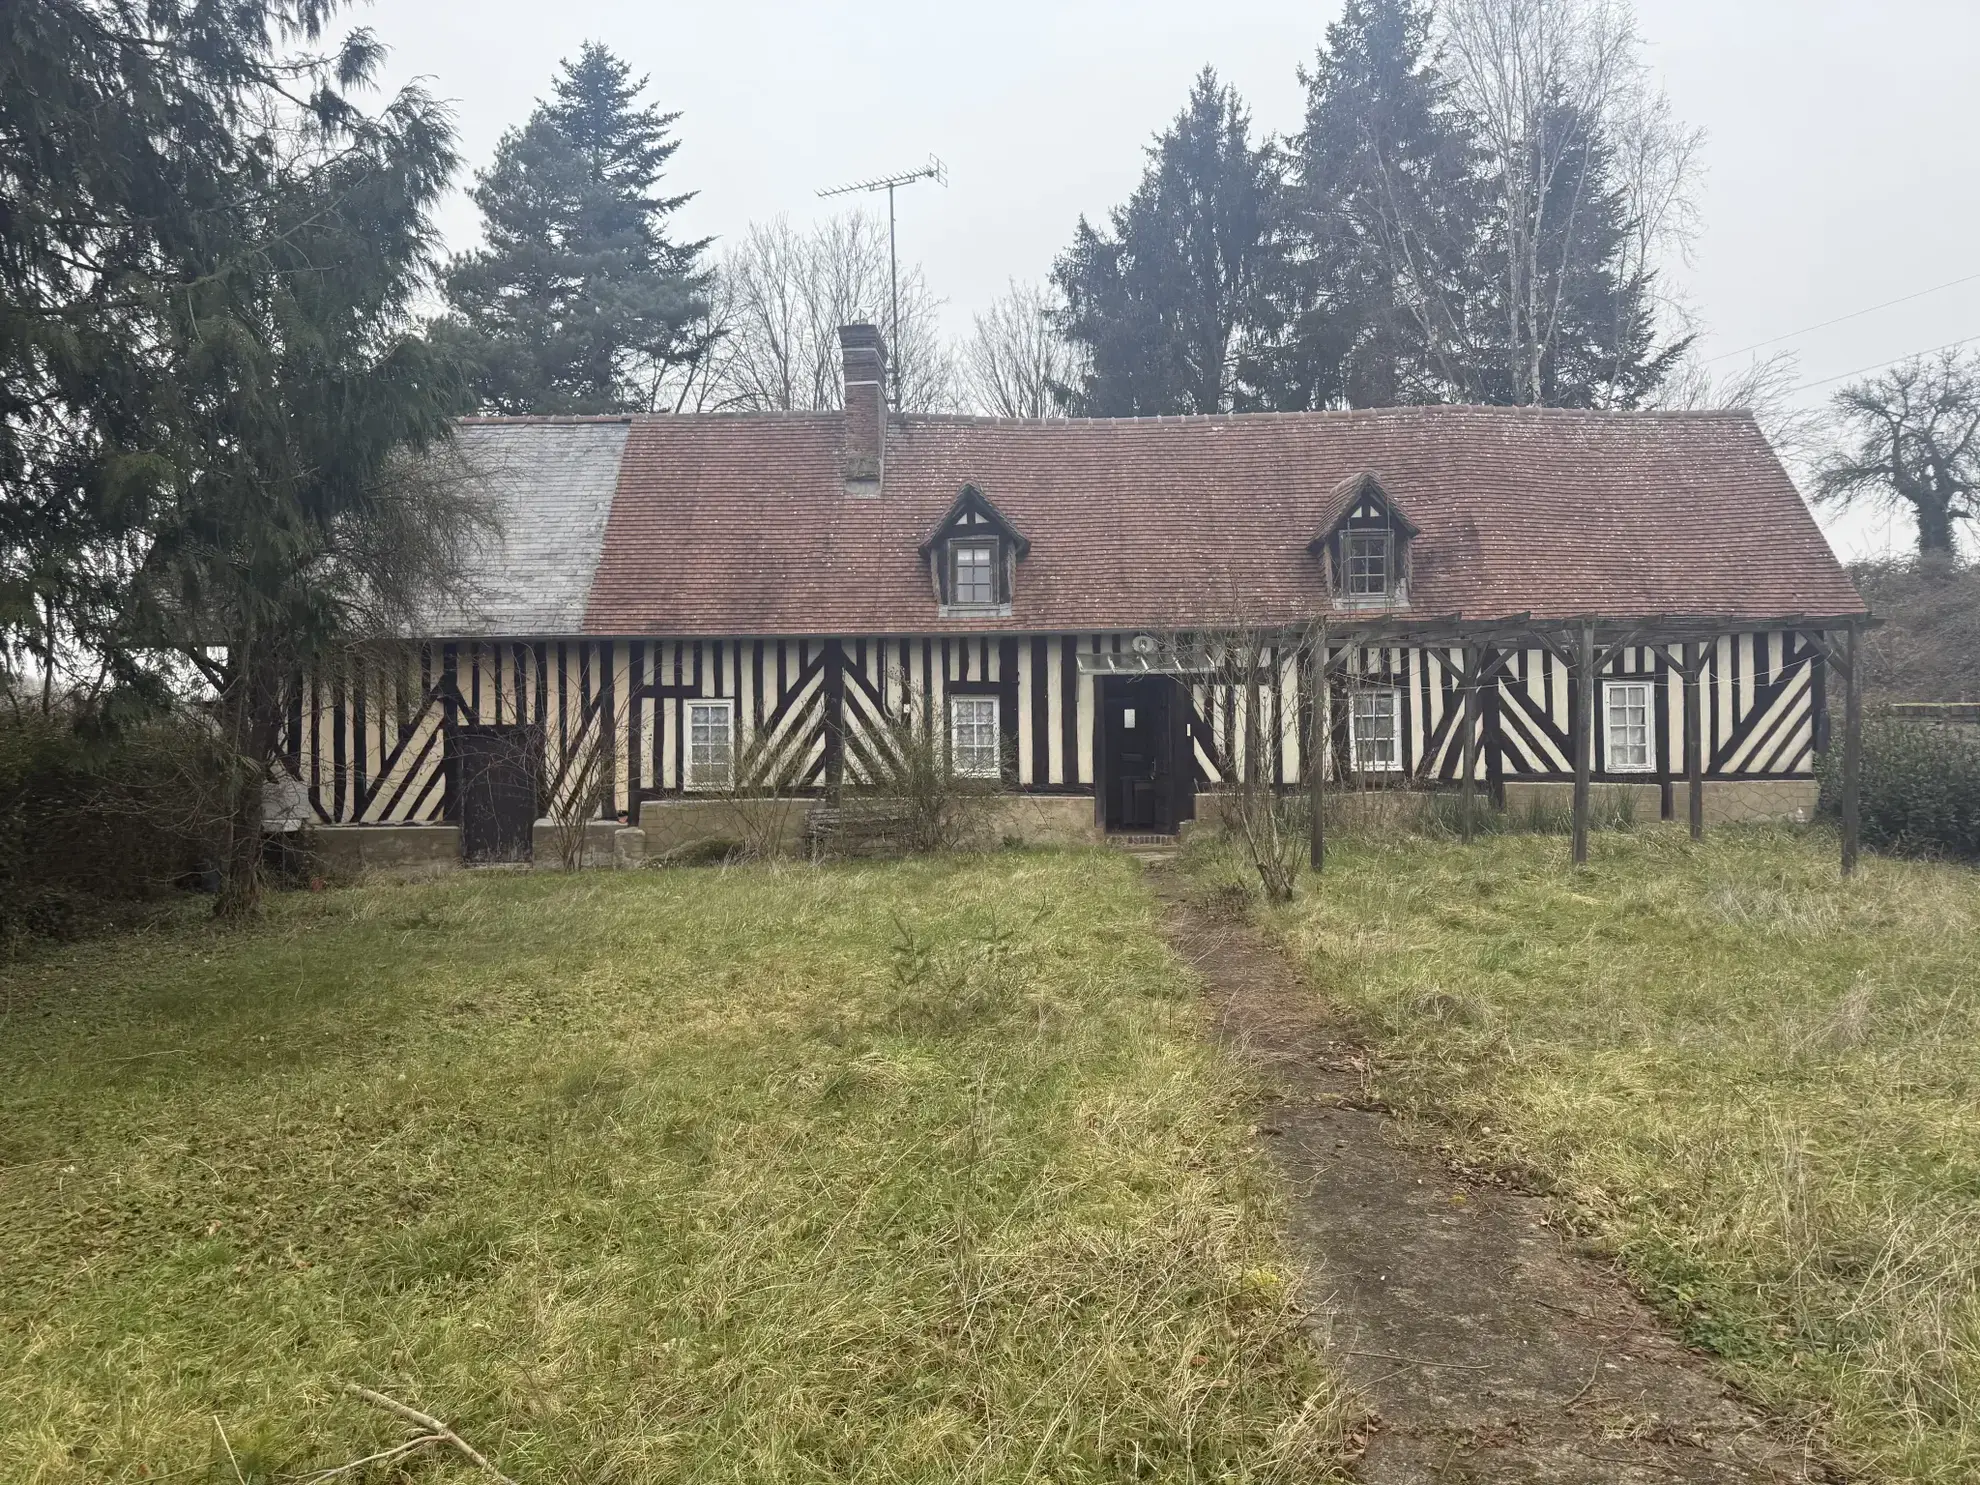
x=863, y=452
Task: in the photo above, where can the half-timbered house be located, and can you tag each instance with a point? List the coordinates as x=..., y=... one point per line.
x=690, y=583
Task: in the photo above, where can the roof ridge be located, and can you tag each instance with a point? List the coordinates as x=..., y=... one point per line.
x=1414, y=410
x=524, y=420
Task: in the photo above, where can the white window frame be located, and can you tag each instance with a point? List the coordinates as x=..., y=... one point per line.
x=1616, y=743
x=988, y=546
x=1356, y=720
x=695, y=777
x=969, y=763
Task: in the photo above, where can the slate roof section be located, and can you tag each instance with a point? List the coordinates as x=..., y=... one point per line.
x=740, y=525
x=552, y=482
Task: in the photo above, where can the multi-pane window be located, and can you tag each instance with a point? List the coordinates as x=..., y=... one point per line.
x=1372, y=737
x=973, y=574
x=1628, y=705
x=710, y=744
x=1366, y=560
x=973, y=742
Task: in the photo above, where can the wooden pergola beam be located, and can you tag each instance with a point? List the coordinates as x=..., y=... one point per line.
x=1694, y=736
x=1585, y=645
x=1583, y=724
x=1852, y=751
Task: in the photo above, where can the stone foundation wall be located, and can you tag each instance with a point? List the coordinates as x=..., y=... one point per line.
x=387, y=850
x=1645, y=801
x=597, y=849
x=675, y=825
x=1044, y=820
x=1727, y=801
x=1345, y=809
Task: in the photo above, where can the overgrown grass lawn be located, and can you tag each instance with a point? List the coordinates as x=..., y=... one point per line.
x=1757, y=1084
x=915, y=1172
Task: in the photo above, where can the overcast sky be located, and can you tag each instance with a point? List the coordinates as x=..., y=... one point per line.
x=1841, y=161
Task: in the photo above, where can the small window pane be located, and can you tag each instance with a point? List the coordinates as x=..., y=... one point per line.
x=1629, y=714
x=1373, y=740
x=1367, y=563
x=973, y=740
x=711, y=745
x=973, y=573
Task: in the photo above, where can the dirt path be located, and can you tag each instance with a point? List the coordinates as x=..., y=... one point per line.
x=1483, y=1348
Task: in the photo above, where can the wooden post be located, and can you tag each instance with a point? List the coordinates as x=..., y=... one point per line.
x=1852, y=751
x=1316, y=757
x=1467, y=790
x=1584, y=717
x=1694, y=735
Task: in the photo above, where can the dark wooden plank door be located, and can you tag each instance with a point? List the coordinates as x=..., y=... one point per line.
x=1140, y=754
x=496, y=771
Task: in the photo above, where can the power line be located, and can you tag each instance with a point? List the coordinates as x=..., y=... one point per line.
x=1839, y=319
x=1879, y=365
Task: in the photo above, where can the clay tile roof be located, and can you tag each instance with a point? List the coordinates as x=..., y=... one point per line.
x=734, y=525
x=1346, y=493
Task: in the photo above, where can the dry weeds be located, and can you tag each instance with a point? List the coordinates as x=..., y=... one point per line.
x=906, y=1172
x=1757, y=1085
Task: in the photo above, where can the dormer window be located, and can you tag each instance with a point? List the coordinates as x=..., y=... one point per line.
x=1366, y=562
x=1363, y=545
x=972, y=573
x=972, y=556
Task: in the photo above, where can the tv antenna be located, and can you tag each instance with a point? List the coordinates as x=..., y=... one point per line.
x=934, y=170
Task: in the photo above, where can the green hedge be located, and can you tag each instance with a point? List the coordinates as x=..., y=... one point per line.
x=91, y=816
x=1920, y=787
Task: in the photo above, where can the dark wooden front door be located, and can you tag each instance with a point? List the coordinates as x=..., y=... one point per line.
x=1144, y=760
x=495, y=773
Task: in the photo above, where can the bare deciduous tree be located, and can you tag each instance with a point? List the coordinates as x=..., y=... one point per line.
x=1560, y=106
x=1765, y=387
x=1015, y=357
x=782, y=296
x=1911, y=441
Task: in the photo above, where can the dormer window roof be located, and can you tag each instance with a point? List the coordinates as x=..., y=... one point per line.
x=1363, y=544
x=972, y=557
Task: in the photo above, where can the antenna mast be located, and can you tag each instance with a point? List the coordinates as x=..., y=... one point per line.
x=934, y=170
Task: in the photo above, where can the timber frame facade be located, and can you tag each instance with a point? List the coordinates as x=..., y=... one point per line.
x=1446, y=597
x=372, y=747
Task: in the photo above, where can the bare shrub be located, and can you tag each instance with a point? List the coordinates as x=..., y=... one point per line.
x=573, y=794
x=1270, y=822
x=911, y=796
x=764, y=794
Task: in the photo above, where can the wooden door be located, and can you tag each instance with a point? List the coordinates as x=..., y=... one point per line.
x=495, y=777
x=1138, y=743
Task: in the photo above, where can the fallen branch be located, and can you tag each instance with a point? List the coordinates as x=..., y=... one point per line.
x=383, y=1455
x=440, y=1431
x=1593, y=1372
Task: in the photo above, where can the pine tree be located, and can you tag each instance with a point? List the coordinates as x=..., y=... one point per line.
x=1375, y=297
x=1161, y=302
x=213, y=385
x=580, y=302
x=1598, y=333
x=1444, y=243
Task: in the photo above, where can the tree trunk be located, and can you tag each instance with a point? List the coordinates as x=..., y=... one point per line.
x=1935, y=526
x=251, y=712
